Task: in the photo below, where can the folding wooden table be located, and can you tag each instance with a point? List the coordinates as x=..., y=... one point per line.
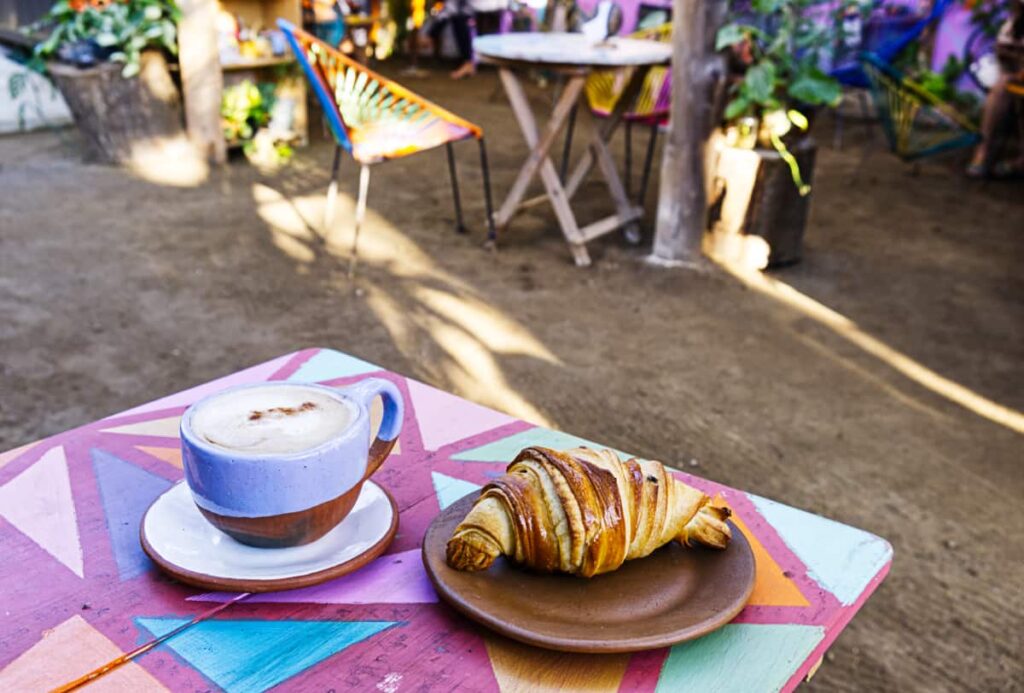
x=574, y=56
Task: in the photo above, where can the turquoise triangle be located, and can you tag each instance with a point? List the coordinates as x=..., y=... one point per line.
x=763, y=657
x=840, y=558
x=257, y=655
x=126, y=492
x=506, y=449
x=449, y=489
x=329, y=365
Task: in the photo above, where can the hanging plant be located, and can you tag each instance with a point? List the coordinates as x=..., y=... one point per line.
x=88, y=33
x=779, y=50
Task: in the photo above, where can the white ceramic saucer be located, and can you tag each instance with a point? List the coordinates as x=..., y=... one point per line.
x=186, y=546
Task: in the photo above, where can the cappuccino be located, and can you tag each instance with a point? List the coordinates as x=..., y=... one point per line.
x=271, y=420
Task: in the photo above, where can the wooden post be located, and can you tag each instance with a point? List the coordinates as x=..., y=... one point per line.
x=201, y=78
x=695, y=71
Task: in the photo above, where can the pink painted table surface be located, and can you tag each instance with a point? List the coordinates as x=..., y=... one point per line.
x=76, y=590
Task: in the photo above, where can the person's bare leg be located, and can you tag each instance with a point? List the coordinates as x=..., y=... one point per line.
x=995, y=109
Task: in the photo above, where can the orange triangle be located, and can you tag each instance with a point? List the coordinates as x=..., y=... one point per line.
x=8, y=456
x=170, y=455
x=771, y=587
x=521, y=668
x=164, y=428
x=68, y=651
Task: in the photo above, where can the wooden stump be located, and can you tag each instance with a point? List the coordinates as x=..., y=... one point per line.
x=758, y=216
x=116, y=115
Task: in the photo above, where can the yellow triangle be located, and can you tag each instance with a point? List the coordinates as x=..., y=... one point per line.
x=524, y=669
x=771, y=587
x=170, y=455
x=165, y=428
x=68, y=651
x=8, y=456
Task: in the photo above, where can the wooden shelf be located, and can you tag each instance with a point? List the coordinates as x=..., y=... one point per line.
x=258, y=63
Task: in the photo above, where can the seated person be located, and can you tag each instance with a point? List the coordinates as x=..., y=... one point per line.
x=999, y=103
x=486, y=15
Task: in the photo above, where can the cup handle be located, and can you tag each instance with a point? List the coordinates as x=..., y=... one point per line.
x=364, y=393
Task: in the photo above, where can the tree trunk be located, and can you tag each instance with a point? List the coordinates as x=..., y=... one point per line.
x=758, y=215
x=116, y=115
x=696, y=72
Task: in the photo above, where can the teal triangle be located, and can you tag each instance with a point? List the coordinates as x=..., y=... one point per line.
x=840, y=558
x=329, y=365
x=126, y=491
x=506, y=449
x=257, y=655
x=739, y=657
x=449, y=489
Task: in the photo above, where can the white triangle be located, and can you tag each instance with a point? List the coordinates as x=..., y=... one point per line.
x=38, y=503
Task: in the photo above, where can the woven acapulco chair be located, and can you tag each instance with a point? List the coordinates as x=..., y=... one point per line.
x=916, y=122
x=375, y=120
x=603, y=89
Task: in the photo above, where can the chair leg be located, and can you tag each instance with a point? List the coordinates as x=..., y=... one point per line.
x=865, y=114
x=492, y=235
x=364, y=186
x=627, y=182
x=567, y=147
x=332, y=191
x=459, y=226
x=645, y=178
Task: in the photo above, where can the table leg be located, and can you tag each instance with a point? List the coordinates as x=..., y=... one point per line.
x=626, y=212
x=539, y=160
x=607, y=128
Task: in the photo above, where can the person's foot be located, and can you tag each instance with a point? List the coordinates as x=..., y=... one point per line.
x=978, y=168
x=467, y=69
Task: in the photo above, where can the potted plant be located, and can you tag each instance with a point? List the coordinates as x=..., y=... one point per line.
x=766, y=158
x=246, y=112
x=108, y=58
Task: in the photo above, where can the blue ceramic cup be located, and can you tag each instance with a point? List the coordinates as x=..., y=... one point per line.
x=287, y=499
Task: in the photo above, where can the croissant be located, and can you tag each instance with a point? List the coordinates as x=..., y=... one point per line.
x=583, y=512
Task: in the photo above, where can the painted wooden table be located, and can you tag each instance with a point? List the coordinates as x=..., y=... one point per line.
x=77, y=590
x=574, y=56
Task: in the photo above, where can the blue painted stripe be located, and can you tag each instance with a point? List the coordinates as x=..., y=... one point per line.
x=329, y=365
x=246, y=656
x=738, y=658
x=506, y=449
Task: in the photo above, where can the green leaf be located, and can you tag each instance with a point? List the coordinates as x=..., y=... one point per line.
x=759, y=82
x=736, y=108
x=106, y=39
x=729, y=35
x=798, y=119
x=815, y=88
x=130, y=70
x=768, y=6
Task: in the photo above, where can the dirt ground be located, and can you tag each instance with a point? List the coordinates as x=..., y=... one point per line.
x=873, y=397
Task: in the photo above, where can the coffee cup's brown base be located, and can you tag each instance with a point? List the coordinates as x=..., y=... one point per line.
x=289, y=529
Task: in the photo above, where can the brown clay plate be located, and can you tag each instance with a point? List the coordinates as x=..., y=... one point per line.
x=671, y=596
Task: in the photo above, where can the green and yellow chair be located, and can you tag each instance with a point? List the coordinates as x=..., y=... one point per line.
x=375, y=120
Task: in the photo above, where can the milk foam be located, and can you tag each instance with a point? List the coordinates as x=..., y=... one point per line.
x=275, y=419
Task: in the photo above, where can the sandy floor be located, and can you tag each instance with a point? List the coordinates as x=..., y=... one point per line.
x=115, y=290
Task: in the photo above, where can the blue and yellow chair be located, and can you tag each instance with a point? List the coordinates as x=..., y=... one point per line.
x=917, y=123
x=375, y=120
